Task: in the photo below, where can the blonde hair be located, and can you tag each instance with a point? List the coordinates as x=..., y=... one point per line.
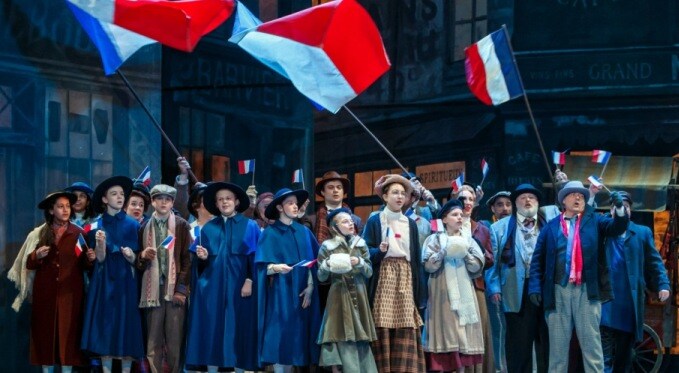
x=463, y=188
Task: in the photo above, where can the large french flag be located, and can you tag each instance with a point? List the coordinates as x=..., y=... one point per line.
x=331, y=52
x=491, y=72
x=177, y=24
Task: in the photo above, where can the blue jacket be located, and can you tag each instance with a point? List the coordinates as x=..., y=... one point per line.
x=645, y=269
x=593, y=226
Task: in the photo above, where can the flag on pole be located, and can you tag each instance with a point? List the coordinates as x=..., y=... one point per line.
x=195, y=236
x=600, y=156
x=80, y=245
x=457, y=183
x=115, y=44
x=297, y=176
x=484, y=168
x=246, y=166
x=558, y=158
x=91, y=226
x=491, y=70
x=177, y=24
x=168, y=242
x=436, y=225
x=596, y=181
x=306, y=263
x=145, y=177
x=330, y=52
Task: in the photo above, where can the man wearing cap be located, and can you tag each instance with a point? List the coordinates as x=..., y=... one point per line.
x=569, y=269
x=222, y=323
x=288, y=304
x=333, y=188
x=165, y=280
x=635, y=266
x=513, y=240
x=500, y=205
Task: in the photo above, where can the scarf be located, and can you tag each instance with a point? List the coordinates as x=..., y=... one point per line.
x=150, y=281
x=459, y=285
x=575, y=275
x=19, y=274
x=322, y=232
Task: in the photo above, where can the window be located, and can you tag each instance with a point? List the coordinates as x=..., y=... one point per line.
x=470, y=23
x=5, y=107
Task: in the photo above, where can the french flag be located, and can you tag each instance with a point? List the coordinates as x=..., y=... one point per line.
x=80, y=245
x=297, y=176
x=195, y=235
x=600, y=156
x=594, y=180
x=145, y=177
x=330, y=52
x=491, y=71
x=92, y=226
x=457, y=183
x=168, y=242
x=436, y=225
x=177, y=24
x=246, y=166
x=306, y=263
x=558, y=158
x=484, y=167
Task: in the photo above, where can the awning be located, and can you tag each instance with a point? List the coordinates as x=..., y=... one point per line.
x=645, y=178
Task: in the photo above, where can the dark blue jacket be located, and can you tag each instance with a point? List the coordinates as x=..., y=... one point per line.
x=593, y=228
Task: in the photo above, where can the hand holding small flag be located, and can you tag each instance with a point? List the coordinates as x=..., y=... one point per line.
x=457, y=183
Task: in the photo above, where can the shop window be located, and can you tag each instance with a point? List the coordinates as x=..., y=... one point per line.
x=470, y=23
x=221, y=168
x=5, y=107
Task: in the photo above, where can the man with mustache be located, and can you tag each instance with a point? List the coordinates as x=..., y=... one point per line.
x=570, y=273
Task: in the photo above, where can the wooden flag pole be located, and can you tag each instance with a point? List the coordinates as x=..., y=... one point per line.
x=154, y=121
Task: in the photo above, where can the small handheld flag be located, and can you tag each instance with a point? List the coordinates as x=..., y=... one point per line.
x=491, y=71
x=484, y=168
x=297, y=176
x=600, y=156
x=246, y=166
x=91, y=226
x=168, y=242
x=306, y=263
x=594, y=180
x=559, y=158
x=195, y=235
x=436, y=225
x=457, y=183
x=80, y=245
x=145, y=177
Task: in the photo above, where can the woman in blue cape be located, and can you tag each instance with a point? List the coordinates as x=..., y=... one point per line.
x=112, y=326
x=222, y=322
x=289, y=312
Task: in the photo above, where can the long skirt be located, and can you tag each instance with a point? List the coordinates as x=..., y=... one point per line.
x=353, y=357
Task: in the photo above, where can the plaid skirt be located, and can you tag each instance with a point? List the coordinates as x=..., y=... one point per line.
x=394, y=305
x=399, y=350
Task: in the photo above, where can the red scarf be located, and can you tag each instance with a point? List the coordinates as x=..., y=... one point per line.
x=575, y=275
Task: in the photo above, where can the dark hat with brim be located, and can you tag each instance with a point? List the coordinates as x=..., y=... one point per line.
x=500, y=194
x=450, y=205
x=80, y=187
x=121, y=181
x=331, y=215
x=210, y=197
x=47, y=203
x=271, y=211
x=196, y=191
x=573, y=187
x=526, y=188
x=330, y=176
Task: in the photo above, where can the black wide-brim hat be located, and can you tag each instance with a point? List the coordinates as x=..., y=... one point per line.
x=101, y=189
x=210, y=195
x=48, y=201
x=272, y=213
x=526, y=188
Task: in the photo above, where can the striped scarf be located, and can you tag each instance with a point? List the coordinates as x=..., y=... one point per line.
x=575, y=275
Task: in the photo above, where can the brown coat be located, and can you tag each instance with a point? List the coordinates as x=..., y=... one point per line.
x=58, y=294
x=482, y=235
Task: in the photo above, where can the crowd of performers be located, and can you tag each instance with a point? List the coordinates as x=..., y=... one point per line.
x=255, y=283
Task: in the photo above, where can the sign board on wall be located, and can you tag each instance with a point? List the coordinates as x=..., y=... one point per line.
x=439, y=175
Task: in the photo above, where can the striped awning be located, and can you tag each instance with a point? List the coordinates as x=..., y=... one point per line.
x=645, y=178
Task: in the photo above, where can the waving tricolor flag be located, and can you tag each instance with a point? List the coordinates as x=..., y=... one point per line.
x=558, y=158
x=437, y=225
x=144, y=177
x=600, y=156
x=484, y=168
x=92, y=226
x=168, y=242
x=596, y=181
x=457, y=183
x=297, y=176
x=331, y=52
x=195, y=236
x=246, y=166
x=177, y=24
x=80, y=245
x=491, y=71
x=306, y=263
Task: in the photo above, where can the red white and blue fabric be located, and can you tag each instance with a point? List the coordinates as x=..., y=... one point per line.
x=331, y=52
x=558, y=158
x=297, y=176
x=484, y=168
x=195, y=236
x=115, y=44
x=306, y=263
x=80, y=245
x=246, y=166
x=594, y=180
x=145, y=177
x=436, y=225
x=177, y=24
x=491, y=72
x=457, y=183
x=244, y=19
x=168, y=242
x=600, y=156
x=92, y=226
